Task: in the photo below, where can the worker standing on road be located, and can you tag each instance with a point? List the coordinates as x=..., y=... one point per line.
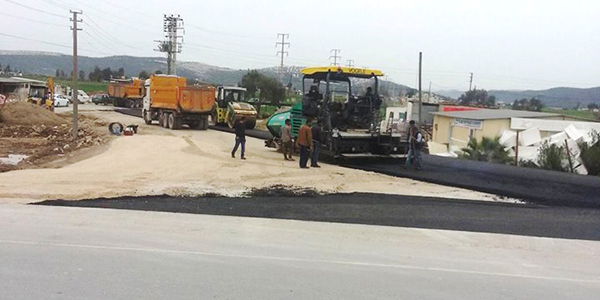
x=305, y=142
x=286, y=140
x=415, y=144
x=240, y=137
x=316, y=143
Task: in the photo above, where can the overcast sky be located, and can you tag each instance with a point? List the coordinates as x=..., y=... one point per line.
x=526, y=44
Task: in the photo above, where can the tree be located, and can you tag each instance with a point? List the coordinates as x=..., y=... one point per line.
x=7, y=69
x=477, y=98
x=489, y=149
x=551, y=157
x=143, y=75
x=590, y=154
x=120, y=73
x=96, y=74
x=81, y=75
x=593, y=106
x=63, y=74
x=158, y=72
x=57, y=75
x=107, y=74
x=270, y=89
x=532, y=104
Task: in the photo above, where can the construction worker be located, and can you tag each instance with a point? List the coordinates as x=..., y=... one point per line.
x=415, y=144
x=240, y=137
x=316, y=143
x=286, y=140
x=304, y=141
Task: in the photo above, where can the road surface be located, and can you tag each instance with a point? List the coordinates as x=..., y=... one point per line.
x=379, y=209
x=75, y=253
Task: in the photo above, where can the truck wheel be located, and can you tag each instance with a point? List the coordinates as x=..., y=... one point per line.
x=147, y=117
x=171, y=121
x=161, y=119
x=204, y=122
x=177, y=122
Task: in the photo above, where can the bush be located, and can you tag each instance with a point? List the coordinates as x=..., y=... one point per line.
x=590, y=154
x=490, y=150
x=551, y=157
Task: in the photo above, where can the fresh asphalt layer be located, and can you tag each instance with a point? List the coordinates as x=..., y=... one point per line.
x=377, y=209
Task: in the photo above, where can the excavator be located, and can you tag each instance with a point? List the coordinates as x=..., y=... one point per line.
x=44, y=97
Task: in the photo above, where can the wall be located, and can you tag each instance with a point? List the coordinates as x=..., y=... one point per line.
x=441, y=126
x=492, y=128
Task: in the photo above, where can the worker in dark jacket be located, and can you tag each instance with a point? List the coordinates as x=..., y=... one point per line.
x=304, y=141
x=240, y=137
x=316, y=143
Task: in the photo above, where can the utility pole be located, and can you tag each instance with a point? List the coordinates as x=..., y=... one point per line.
x=74, y=89
x=350, y=63
x=283, y=43
x=420, y=92
x=335, y=56
x=471, y=82
x=429, y=94
x=172, y=44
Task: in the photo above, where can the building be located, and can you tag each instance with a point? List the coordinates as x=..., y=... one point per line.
x=24, y=86
x=454, y=129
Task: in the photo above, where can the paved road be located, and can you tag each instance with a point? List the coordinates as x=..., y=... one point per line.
x=532, y=185
x=376, y=209
x=73, y=253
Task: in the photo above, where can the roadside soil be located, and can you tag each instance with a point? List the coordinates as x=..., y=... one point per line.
x=46, y=137
x=158, y=161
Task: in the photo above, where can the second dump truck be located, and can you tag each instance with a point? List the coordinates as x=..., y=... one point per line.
x=126, y=93
x=169, y=100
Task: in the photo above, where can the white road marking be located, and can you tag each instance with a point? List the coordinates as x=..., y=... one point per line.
x=293, y=259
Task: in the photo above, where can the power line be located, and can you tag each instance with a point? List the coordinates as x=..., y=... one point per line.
x=38, y=10
x=335, y=56
x=35, y=21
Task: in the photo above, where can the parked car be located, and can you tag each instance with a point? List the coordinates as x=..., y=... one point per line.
x=61, y=100
x=101, y=99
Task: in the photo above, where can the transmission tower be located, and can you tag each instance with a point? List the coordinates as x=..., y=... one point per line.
x=350, y=63
x=172, y=26
x=282, y=52
x=335, y=56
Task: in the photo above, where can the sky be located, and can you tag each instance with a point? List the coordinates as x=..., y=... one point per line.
x=525, y=44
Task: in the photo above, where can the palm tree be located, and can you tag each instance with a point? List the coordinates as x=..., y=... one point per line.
x=489, y=149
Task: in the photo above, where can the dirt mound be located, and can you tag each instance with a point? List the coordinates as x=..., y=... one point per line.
x=23, y=113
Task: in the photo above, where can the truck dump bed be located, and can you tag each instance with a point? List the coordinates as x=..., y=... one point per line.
x=132, y=90
x=170, y=92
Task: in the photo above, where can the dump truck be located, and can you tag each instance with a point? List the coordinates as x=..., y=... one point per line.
x=351, y=126
x=230, y=107
x=126, y=93
x=169, y=101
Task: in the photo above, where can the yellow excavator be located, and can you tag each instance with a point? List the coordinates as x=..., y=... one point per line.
x=44, y=97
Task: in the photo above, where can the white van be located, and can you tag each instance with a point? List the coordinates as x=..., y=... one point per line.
x=81, y=96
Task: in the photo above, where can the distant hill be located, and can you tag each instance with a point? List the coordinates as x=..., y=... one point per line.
x=564, y=97
x=46, y=63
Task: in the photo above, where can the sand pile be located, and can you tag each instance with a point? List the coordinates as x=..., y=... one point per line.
x=23, y=113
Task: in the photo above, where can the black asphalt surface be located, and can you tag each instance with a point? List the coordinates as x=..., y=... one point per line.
x=376, y=209
x=531, y=185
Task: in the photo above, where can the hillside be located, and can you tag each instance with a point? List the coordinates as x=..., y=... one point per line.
x=46, y=63
x=564, y=97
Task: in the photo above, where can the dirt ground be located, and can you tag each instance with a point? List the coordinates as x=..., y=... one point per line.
x=43, y=136
x=189, y=162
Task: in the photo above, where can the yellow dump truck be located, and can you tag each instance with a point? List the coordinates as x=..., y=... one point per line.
x=126, y=93
x=169, y=100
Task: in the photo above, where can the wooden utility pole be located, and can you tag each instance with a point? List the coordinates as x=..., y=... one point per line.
x=74, y=89
x=420, y=92
x=471, y=82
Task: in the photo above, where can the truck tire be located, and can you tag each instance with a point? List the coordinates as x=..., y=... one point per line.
x=147, y=117
x=161, y=119
x=171, y=122
x=204, y=123
x=177, y=122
